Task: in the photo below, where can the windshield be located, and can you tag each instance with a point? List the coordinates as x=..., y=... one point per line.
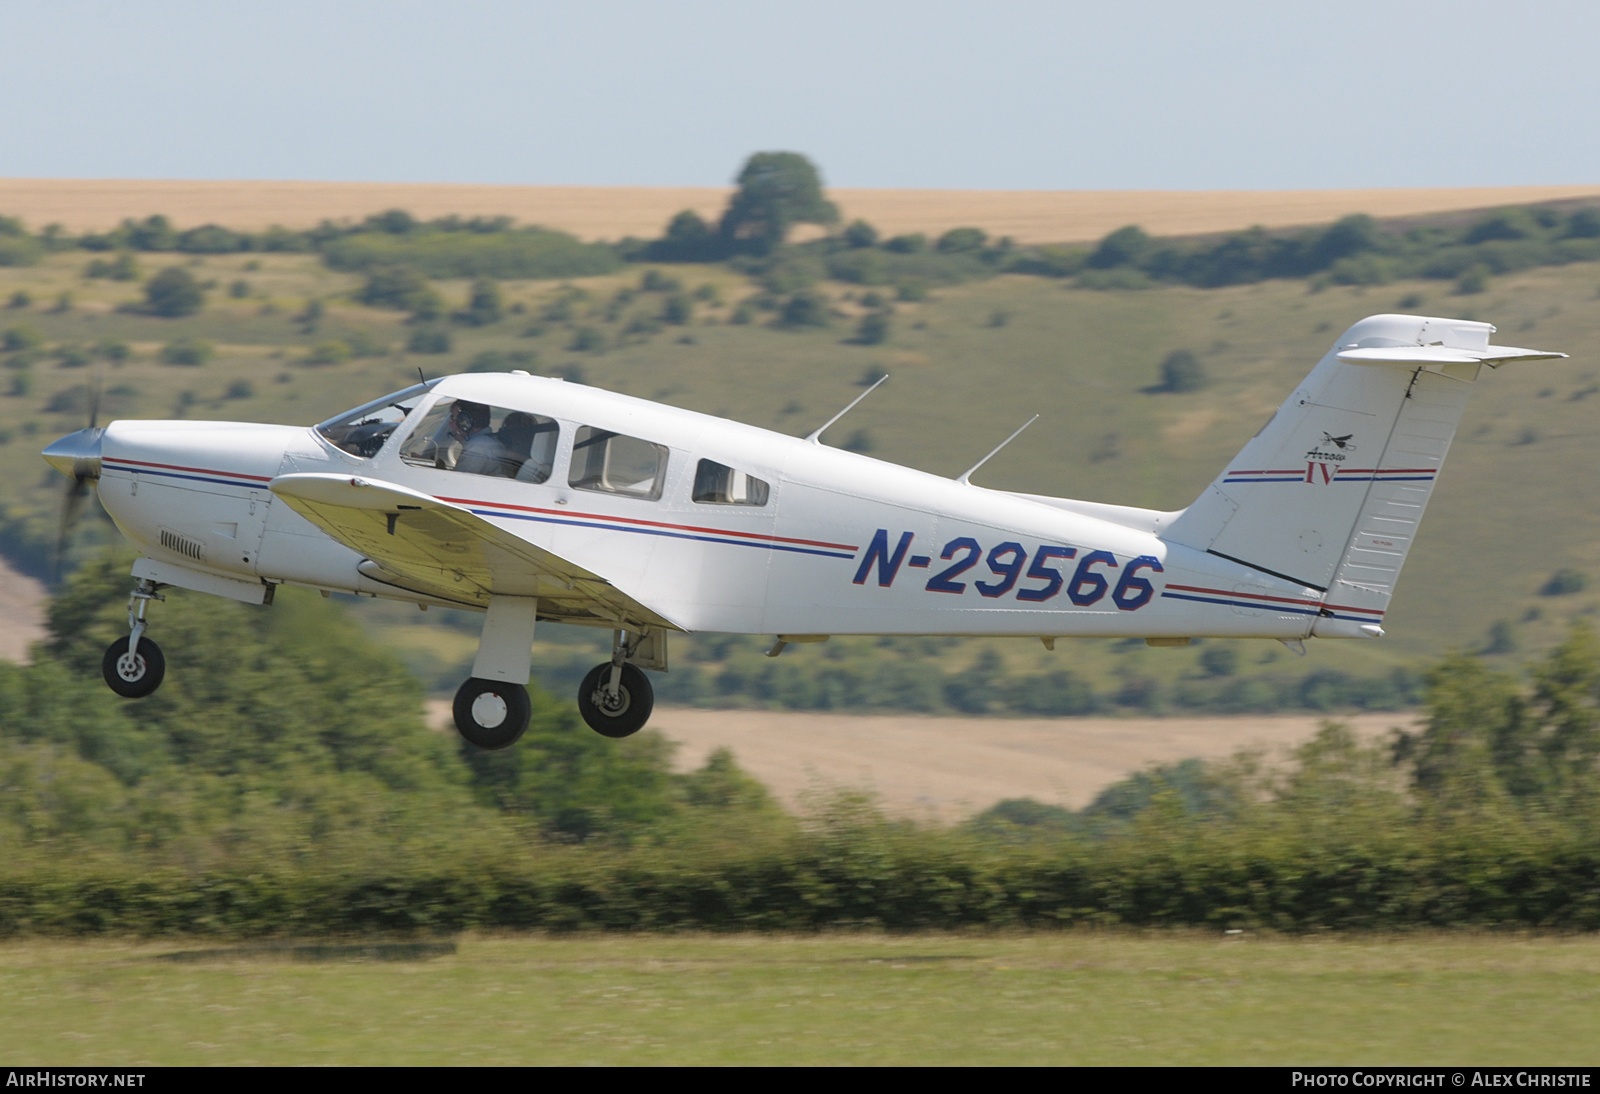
x=363, y=431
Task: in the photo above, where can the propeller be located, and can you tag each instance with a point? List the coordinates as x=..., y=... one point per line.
x=77, y=455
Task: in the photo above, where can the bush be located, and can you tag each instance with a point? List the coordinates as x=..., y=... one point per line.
x=523, y=253
x=962, y=241
x=398, y=288
x=429, y=339
x=173, y=293
x=122, y=268
x=485, y=305
x=806, y=309
x=1123, y=247
x=21, y=337
x=688, y=239
x=334, y=352
x=1181, y=372
x=1219, y=659
x=587, y=340
x=187, y=351
x=873, y=329
x=113, y=349
x=1474, y=280
x=1564, y=582
x=860, y=234
x=71, y=355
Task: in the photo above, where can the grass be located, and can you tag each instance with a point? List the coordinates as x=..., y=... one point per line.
x=1070, y=998
x=1502, y=519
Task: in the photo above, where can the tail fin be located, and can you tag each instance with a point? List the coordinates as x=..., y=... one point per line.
x=1330, y=492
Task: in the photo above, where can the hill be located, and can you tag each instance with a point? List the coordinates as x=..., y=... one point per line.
x=600, y=212
x=290, y=340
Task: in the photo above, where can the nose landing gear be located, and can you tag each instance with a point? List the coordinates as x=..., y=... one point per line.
x=133, y=667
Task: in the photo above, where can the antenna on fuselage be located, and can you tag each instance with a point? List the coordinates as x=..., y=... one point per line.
x=963, y=479
x=815, y=434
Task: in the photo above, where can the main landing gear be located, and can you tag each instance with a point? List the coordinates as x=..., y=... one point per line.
x=615, y=700
x=491, y=714
x=615, y=697
x=133, y=667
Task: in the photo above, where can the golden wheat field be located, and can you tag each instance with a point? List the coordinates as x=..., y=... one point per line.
x=612, y=212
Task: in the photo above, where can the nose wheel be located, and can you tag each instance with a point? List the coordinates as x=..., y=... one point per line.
x=131, y=673
x=134, y=667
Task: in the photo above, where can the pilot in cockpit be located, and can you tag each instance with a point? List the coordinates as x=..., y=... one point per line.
x=479, y=452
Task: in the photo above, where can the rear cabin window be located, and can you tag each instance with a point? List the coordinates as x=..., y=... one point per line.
x=719, y=484
x=479, y=439
x=612, y=463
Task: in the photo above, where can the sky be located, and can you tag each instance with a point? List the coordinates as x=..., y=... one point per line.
x=1026, y=95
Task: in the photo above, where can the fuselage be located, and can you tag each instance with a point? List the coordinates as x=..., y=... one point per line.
x=840, y=544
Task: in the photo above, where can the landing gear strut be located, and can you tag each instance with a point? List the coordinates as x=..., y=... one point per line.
x=133, y=667
x=616, y=698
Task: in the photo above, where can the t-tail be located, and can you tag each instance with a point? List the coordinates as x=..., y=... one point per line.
x=1330, y=492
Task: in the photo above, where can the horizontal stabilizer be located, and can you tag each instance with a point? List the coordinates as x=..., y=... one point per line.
x=1423, y=356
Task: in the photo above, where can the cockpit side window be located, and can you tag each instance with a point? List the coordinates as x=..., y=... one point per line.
x=719, y=484
x=612, y=463
x=479, y=439
x=364, y=430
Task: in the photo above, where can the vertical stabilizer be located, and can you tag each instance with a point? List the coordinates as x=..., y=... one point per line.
x=1330, y=492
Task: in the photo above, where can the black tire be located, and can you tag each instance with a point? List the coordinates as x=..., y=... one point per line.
x=635, y=700
x=491, y=725
x=139, y=678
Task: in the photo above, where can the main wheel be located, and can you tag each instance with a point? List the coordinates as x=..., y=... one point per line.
x=133, y=676
x=491, y=713
x=621, y=715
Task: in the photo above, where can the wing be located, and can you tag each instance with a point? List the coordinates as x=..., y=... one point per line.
x=420, y=543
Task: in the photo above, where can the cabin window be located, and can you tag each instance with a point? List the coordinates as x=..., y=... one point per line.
x=479, y=439
x=364, y=430
x=615, y=464
x=719, y=484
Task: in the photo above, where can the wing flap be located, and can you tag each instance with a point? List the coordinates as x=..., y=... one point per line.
x=434, y=547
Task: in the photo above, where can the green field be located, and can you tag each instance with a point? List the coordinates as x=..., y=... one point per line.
x=1066, y=998
x=969, y=364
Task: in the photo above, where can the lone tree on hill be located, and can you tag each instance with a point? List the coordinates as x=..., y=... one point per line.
x=173, y=292
x=777, y=190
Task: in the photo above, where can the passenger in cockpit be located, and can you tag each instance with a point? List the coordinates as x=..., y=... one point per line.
x=516, y=438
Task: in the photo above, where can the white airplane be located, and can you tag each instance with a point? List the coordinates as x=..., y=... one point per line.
x=534, y=499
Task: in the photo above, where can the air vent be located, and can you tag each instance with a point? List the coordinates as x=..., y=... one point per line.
x=183, y=545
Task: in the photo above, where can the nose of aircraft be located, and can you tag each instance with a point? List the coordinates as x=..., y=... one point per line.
x=77, y=455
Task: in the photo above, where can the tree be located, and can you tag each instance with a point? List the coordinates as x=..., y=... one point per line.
x=777, y=190
x=173, y=292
